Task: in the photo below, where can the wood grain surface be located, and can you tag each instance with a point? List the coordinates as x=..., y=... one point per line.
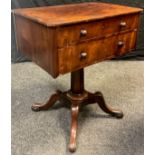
x=69, y=35
x=74, y=13
x=96, y=51
x=37, y=42
x=109, y=30
x=66, y=44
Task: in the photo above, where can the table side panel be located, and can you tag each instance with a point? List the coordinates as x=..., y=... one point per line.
x=37, y=42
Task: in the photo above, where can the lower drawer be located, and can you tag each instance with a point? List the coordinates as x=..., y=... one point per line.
x=81, y=55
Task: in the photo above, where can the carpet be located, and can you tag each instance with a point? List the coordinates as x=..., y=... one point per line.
x=47, y=132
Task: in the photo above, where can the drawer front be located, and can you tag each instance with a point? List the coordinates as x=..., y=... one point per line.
x=78, y=56
x=70, y=35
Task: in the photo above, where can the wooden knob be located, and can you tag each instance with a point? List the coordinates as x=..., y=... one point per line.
x=120, y=43
x=83, y=55
x=122, y=24
x=83, y=32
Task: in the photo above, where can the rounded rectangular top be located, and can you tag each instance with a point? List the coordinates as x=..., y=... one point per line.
x=52, y=16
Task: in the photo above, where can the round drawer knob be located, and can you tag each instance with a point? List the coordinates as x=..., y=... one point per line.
x=83, y=55
x=83, y=32
x=122, y=24
x=120, y=43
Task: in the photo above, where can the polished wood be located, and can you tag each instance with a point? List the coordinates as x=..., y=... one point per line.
x=38, y=43
x=54, y=97
x=71, y=34
x=77, y=96
x=95, y=51
x=47, y=34
x=52, y=16
x=77, y=81
x=67, y=38
x=74, y=122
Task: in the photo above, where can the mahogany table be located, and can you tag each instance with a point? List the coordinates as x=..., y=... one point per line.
x=67, y=38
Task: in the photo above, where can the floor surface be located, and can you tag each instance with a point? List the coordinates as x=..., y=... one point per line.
x=47, y=132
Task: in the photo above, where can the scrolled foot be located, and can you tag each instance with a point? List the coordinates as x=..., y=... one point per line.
x=38, y=107
x=117, y=114
x=72, y=147
x=101, y=102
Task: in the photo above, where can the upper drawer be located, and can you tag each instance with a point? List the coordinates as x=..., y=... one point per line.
x=69, y=35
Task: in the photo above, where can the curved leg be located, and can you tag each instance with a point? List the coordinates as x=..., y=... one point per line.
x=90, y=99
x=101, y=102
x=48, y=104
x=74, y=122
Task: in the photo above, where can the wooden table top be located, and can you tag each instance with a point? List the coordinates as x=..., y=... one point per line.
x=74, y=13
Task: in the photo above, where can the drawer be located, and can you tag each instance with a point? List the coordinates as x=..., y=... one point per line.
x=81, y=55
x=70, y=35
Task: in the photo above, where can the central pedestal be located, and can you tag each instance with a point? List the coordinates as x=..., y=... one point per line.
x=77, y=97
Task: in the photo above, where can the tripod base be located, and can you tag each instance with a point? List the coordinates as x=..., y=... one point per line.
x=76, y=101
